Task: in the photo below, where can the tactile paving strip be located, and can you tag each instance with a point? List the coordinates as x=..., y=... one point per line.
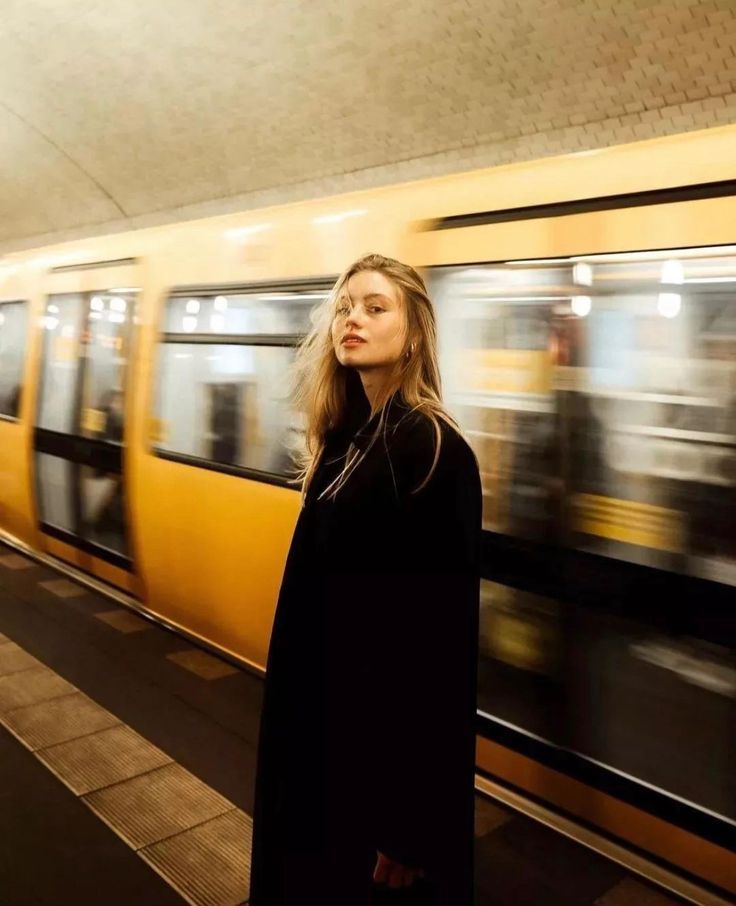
x=136, y=789
x=14, y=659
x=489, y=817
x=102, y=759
x=202, y=664
x=29, y=687
x=123, y=621
x=157, y=805
x=63, y=588
x=15, y=561
x=58, y=720
x=208, y=865
x=631, y=893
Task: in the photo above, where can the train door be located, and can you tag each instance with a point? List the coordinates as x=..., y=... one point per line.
x=80, y=425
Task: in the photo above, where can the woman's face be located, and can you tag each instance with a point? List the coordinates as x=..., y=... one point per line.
x=370, y=307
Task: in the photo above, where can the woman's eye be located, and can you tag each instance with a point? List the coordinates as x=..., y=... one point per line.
x=376, y=308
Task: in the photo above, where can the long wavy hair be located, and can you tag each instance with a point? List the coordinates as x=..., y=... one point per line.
x=321, y=385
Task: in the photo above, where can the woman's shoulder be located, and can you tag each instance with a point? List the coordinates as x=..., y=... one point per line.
x=416, y=441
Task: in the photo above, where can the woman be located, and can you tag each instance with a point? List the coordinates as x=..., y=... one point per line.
x=365, y=777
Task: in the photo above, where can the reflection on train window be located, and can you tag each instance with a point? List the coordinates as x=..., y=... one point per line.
x=103, y=508
x=600, y=396
x=109, y=319
x=56, y=486
x=495, y=336
x=13, y=333
x=613, y=689
x=223, y=391
x=228, y=404
x=253, y=313
x=520, y=660
x=62, y=324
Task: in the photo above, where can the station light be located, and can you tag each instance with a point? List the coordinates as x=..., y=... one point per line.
x=669, y=304
x=581, y=305
x=672, y=272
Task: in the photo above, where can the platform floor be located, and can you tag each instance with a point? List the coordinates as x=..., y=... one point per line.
x=127, y=766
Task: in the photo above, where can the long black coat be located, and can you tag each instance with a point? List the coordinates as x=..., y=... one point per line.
x=367, y=739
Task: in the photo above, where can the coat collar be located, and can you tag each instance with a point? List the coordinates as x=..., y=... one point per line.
x=360, y=431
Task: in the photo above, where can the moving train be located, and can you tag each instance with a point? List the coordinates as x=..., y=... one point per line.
x=587, y=322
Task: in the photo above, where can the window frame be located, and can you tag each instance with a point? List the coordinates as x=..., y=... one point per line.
x=4, y=416
x=201, y=338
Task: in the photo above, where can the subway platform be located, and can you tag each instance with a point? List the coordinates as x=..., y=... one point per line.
x=127, y=766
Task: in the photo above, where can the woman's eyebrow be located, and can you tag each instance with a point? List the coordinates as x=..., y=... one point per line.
x=376, y=296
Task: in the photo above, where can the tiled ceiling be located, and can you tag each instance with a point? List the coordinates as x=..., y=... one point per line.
x=116, y=113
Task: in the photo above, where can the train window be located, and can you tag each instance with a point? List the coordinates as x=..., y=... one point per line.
x=13, y=335
x=600, y=396
x=223, y=390
x=251, y=313
x=55, y=478
x=227, y=404
x=82, y=393
x=62, y=325
x=106, y=356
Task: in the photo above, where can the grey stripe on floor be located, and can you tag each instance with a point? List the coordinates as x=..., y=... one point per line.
x=196, y=839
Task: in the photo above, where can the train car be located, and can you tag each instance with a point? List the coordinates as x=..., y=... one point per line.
x=588, y=349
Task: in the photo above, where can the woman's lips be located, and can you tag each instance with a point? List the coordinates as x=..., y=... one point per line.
x=352, y=342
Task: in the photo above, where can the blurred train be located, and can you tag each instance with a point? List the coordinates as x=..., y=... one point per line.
x=587, y=315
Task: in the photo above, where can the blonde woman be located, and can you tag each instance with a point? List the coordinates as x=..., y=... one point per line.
x=364, y=788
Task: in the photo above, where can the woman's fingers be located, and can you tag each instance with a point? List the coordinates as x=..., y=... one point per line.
x=380, y=875
x=393, y=874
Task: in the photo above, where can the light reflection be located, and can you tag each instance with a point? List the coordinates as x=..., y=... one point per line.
x=581, y=305
x=672, y=272
x=668, y=304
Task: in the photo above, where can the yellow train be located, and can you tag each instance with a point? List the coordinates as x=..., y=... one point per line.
x=588, y=343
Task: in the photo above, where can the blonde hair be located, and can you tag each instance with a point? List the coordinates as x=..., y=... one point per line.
x=320, y=383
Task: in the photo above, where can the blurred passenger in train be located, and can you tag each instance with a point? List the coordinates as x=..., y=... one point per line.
x=108, y=519
x=112, y=407
x=13, y=407
x=365, y=780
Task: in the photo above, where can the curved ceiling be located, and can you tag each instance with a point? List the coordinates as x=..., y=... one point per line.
x=116, y=113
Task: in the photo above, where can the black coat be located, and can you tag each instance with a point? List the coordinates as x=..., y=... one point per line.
x=367, y=739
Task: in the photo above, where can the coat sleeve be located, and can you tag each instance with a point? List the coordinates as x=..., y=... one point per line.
x=426, y=663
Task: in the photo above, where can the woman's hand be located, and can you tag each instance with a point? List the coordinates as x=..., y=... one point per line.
x=394, y=873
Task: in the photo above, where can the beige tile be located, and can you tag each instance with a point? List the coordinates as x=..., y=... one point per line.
x=630, y=892
x=29, y=687
x=157, y=805
x=123, y=621
x=13, y=659
x=16, y=561
x=202, y=664
x=58, y=720
x=209, y=864
x=488, y=816
x=103, y=758
x=63, y=588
